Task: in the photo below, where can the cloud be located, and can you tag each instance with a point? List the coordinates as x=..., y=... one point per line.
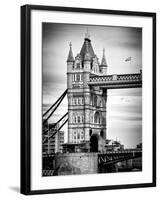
x=125, y=118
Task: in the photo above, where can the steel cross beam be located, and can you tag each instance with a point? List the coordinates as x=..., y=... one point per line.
x=116, y=81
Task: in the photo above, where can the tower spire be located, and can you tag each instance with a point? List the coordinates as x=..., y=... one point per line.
x=104, y=62
x=70, y=55
x=87, y=56
x=87, y=36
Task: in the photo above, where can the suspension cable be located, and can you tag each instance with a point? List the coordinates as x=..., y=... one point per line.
x=56, y=123
x=55, y=108
x=64, y=93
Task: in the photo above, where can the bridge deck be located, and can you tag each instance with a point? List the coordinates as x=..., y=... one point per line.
x=116, y=81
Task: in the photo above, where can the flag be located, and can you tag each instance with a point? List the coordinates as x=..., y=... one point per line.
x=128, y=59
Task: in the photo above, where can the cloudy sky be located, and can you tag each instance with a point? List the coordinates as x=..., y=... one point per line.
x=124, y=106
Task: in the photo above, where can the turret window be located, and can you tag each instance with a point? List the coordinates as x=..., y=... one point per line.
x=82, y=119
x=91, y=65
x=82, y=138
x=75, y=119
x=79, y=119
x=78, y=65
x=82, y=101
x=78, y=77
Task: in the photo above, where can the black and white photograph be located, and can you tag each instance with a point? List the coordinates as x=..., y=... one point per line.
x=88, y=99
x=91, y=99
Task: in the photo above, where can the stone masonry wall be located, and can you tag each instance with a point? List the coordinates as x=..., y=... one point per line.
x=76, y=163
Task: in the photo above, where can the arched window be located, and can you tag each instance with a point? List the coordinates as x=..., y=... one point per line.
x=79, y=119
x=102, y=133
x=78, y=65
x=82, y=135
x=82, y=101
x=97, y=118
x=100, y=103
x=90, y=132
x=78, y=77
x=95, y=100
x=91, y=65
x=82, y=119
x=75, y=119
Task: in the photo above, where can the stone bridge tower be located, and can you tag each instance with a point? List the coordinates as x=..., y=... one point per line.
x=86, y=104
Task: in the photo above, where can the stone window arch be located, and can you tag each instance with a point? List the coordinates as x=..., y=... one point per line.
x=100, y=103
x=97, y=118
x=82, y=119
x=82, y=101
x=78, y=65
x=78, y=77
x=82, y=135
x=95, y=100
x=78, y=136
x=79, y=119
x=74, y=119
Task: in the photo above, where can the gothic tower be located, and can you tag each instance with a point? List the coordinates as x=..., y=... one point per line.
x=86, y=105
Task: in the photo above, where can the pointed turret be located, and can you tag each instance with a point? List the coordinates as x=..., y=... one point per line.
x=70, y=55
x=104, y=62
x=87, y=56
x=103, y=66
x=87, y=49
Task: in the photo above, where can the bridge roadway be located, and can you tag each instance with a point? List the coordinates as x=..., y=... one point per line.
x=110, y=157
x=102, y=159
x=116, y=81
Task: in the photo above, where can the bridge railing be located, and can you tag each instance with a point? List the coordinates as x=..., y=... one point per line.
x=115, y=77
x=118, y=156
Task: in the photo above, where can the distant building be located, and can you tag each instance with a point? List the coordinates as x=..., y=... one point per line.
x=53, y=144
x=139, y=146
x=112, y=145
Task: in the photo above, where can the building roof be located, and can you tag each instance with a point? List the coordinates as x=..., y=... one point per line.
x=87, y=51
x=70, y=55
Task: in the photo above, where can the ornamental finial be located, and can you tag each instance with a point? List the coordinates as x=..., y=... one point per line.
x=86, y=34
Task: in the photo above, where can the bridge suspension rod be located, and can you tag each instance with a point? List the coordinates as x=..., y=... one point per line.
x=64, y=93
x=56, y=123
x=58, y=103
